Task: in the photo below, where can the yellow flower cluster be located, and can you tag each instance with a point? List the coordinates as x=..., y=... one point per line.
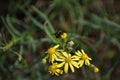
x=61, y=60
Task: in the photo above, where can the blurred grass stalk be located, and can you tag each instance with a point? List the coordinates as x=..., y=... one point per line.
x=47, y=26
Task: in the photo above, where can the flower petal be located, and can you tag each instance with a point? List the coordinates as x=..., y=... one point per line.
x=75, y=58
x=56, y=46
x=66, y=68
x=57, y=74
x=65, y=54
x=58, y=59
x=75, y=64
x=71, y=67
x=58, y=54
x=52, y=58
x=81, y=63
x=89, y=58
x=77, y=53
x=61, y=64
x=82, y=51
x=59, y=71
x=87, y=62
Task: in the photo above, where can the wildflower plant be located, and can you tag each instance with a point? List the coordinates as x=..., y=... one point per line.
x=63, y=58
x=25, y=31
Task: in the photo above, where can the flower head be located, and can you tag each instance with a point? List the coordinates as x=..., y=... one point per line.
x=83, y=58
x=68, y=61
x=53, y=53
x=54, y=70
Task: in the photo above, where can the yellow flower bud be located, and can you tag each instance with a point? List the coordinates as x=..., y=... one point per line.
x=43, y=61
x=96, y=69
x=64, y=36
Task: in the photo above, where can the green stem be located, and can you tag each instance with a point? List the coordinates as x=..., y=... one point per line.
x=9, y=45
x=12, y=42
x=16, y=53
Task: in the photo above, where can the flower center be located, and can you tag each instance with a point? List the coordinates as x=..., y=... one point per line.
x=68, y=59
x=84, y=56
x=51, y=51
x=52, y=68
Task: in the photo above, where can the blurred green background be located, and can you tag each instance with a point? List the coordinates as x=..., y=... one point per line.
x=27, y=28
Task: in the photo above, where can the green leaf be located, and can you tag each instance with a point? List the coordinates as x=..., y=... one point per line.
x=40, y=14
x=11, y=27
x=6, y=25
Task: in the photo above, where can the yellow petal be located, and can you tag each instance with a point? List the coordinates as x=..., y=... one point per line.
x=81, y=63
x=56, y=46
x=75, y=58
x=77, y=53
x=56, y=74
x=65, y=54
x=59, y=71
x=69, y=55
x=52, y=58
x=82, y=51
x=66, y=68
x=75, y=64
x=55, y=57
x=87, y=62
x=89, y=58
x=58, y=59
x=61, y=64
x=71, y=67
x=59, y=55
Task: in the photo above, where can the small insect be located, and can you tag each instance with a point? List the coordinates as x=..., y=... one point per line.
x=58, y=34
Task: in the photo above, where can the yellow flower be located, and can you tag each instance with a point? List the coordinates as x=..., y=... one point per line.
x=54, y=70
x=83, y=58
x=68, y=61
x=63, y=36
x=53, y=53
